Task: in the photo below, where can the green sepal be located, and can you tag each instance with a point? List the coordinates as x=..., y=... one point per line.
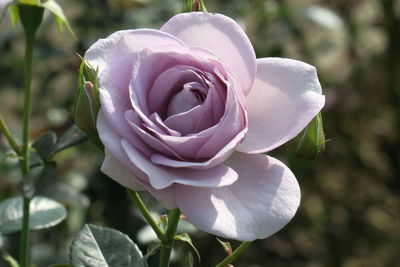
x=13, y=9
x=59, y=15
x=30, y=2
x=226, y=246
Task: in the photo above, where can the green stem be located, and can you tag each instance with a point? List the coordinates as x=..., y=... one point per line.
x=10, y=138
x=146, y=214
x=24, y=248
x=166, y=247
x=231, y=258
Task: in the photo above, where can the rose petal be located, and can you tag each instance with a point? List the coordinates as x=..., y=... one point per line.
x=185, y=123
x=115, y=170
x=233, y=122
x=285, y=97
x=114, y=57
x=133, y=120
x=219, y=158
x=262, y=201
x=221, y=35
x=161, y=177
x=168, y=84
x=112, y=141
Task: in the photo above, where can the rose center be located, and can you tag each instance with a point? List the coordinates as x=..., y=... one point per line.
x=193, y=94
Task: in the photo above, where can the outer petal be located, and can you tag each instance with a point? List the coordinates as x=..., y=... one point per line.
x=115, y=170
x=111, y=166
x=97, y=54
x=114, y=57
x=285, y=97
x=161, y=177
x=262, y=201
x=221, y=35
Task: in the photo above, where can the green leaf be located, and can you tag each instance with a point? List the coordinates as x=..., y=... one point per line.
x=58, y=13
x=44, y=145
x=45, y=213
x=152, y=249
x=60, y=265
x=96, y=246
x=11, y=261
x=48, y=173
x=186, y=238
x=72, y=137
x=28, y=184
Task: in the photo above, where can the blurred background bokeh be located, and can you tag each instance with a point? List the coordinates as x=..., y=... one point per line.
x=350, y=210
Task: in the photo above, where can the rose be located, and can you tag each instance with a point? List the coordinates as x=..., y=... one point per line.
x=186, y=112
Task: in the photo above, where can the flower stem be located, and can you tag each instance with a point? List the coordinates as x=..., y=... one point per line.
x=146, y=214
x=10, y=138
x=166, y=247
x=24, y=247
x=231, y=258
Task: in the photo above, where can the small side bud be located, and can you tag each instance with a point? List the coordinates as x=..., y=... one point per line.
x=196, y=5
x=193, y=6
x=307, y=146
x=87, y=103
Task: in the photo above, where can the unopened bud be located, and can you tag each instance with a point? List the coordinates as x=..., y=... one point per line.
x=307, y=146
x=87, y=103
x=196, y=5
x=193, y=5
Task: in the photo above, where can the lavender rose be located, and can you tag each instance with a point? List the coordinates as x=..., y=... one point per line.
x=186, y=112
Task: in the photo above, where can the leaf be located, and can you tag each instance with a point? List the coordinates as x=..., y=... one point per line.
x=11, y=261
x=48, y=173
x=152, y=249
x=28, y=184
x=96, y=246
x=72, y=137
x=226, y=246
x=45, y=213
x=186, y=238
x=58, y=13
x=44, y=145
x=60, y=265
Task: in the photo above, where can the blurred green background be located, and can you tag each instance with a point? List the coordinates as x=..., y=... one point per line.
x=350, y=210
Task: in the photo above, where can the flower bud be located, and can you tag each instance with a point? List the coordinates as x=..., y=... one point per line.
x=307, y=146
x=87, y=102
x=193, y=6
